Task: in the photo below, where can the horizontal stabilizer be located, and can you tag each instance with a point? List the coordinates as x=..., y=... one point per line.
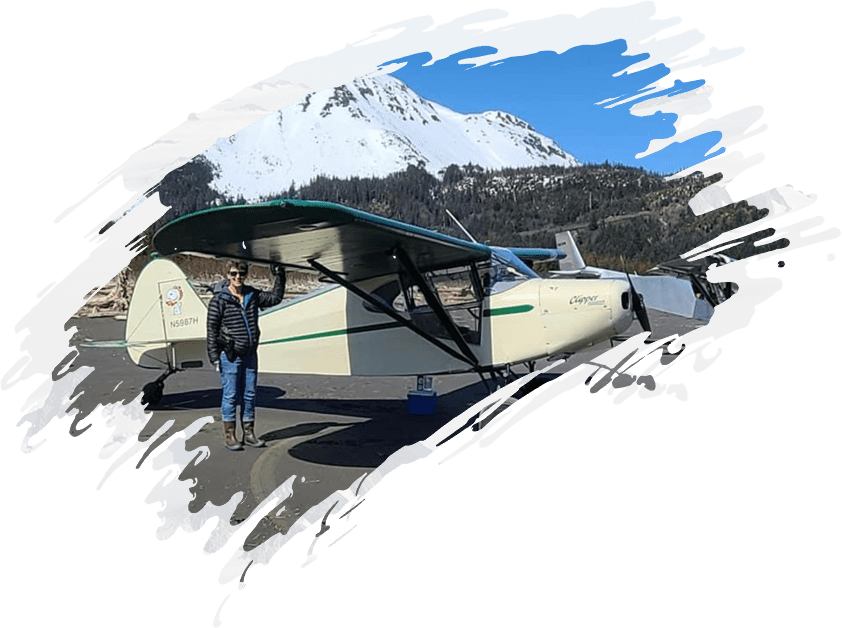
x=115, y=344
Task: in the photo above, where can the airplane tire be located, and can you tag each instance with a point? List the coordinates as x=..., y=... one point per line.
x=153, y=392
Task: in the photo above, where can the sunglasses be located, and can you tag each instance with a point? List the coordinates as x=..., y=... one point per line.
x=237, y=273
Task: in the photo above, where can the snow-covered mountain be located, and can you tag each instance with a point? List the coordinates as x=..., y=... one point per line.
x=371, y=127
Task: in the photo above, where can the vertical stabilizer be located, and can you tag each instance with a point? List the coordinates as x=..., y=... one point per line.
x=166, y=321
x=572, y=261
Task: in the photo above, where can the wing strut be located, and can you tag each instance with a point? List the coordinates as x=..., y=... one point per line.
x=390, y=312
x=434, y=302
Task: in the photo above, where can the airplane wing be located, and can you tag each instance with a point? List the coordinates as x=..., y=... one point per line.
x=350, y=242
x=537, y=255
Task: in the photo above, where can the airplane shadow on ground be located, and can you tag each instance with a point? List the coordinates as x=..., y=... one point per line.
x=380, y=426
x=370, y=443
x=211, y=399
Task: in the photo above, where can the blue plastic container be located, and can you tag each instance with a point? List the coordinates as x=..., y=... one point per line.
x=421, y=402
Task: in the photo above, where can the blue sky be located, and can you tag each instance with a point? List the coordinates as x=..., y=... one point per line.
x=558, y=94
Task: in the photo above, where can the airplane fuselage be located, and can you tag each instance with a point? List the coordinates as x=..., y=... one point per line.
x=335, y=332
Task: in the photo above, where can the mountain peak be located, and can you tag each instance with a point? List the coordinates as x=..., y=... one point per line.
x=373, y=126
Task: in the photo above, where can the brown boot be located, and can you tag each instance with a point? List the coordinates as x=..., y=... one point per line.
x=249, y=437
x=231, y=442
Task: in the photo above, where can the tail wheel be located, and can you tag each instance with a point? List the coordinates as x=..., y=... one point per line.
x=153, y=392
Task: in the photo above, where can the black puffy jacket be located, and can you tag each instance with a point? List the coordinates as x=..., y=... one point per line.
x=239, y=320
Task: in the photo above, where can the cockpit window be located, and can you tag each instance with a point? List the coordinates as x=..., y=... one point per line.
x=460, y=290
x=459, y=294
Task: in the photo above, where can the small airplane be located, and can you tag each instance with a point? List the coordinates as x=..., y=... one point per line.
x=679, y=286
x=398, y=299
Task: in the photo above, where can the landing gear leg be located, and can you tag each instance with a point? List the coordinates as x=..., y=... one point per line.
x=503, y=377
x=485, y=382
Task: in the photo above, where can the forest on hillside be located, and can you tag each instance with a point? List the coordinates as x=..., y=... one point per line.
x=615, y=211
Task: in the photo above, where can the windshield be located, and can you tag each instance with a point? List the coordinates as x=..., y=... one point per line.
x=511, y=263
x=503, y=271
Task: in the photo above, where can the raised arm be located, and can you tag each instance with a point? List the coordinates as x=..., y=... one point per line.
x=268, y=298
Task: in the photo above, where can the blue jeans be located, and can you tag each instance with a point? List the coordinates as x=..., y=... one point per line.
x=239, y=386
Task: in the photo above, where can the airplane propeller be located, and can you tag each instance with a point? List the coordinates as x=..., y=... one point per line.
x=638, y=307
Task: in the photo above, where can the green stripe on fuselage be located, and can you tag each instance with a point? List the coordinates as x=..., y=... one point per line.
x=501, y=311
x=513, y=309
x=335, y=332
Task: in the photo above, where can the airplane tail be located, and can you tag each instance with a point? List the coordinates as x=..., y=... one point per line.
x=166, y=321
x=572, y=260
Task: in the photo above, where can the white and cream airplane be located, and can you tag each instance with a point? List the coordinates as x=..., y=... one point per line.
x=399, y=299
